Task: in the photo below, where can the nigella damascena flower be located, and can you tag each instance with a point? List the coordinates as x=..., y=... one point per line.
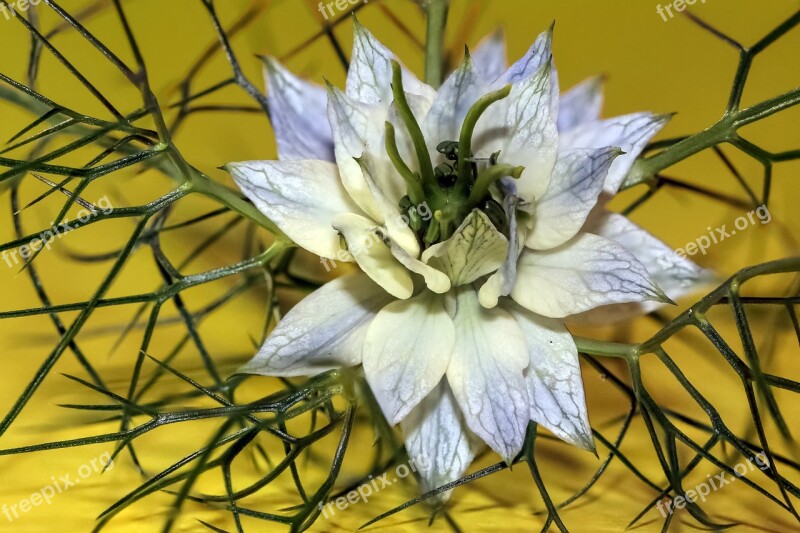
x=475, y=214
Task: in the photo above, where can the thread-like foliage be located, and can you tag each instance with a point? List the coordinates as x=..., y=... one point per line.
x=158, y=393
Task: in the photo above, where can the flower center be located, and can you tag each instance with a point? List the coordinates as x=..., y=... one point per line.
x=454, y=188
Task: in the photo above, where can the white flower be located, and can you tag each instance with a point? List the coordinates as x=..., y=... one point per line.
x=473, y=213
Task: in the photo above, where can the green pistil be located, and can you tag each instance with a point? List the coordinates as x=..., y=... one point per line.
x=452, y=189
x=414, y=131
x=487, y=177
x=467, y=129
x=413, y=185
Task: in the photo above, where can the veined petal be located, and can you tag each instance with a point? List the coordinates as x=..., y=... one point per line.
x=554, y=378
x=296, y=107
x=300, y=197
x=455, y=98
x=490, y=56
x=406, y=352
x=325, y=330
x=532, y=135
x=369, y=77
x=537, y=56
x=486, y=373
x=502, y=282
x=438, y=440
x=581, y=104
x=436, y=280
x=357, y=129
x=365, y=244
x=631, y=133
x=474, y=250
x=677, y=276
x=581, y=274
x=396, y=225
x=575, y=186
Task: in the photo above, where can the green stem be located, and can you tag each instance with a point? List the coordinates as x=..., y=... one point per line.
x=436, y=11
x=725, y=130
x=766, y=108
x=606, y=349
x=645, y=169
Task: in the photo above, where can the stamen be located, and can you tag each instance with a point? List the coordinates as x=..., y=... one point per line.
x=496, y=214
x=433, y=233
x=445, y=225
x=449, y=149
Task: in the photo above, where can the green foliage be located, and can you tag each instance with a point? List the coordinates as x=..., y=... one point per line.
x=332, y=401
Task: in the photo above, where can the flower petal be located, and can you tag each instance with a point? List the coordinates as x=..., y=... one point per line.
x=675, y=274
x=357, y=129
x=365, y=244
x=502, y=282
x=438, y=440
x=531, y=133
x=436, y=280
x=406, y=352
x=631, y=133
x=575, y=186
x=554, y=378
x=455, y=98
x=300, y=197
x=490, y=56
x=475, y=249
x=582, y=103
x=581, y=274
x=486, y=374
x=359, y=133
x=397, y=225
x=369, y=77
x=296, y=107
x=539, y=54
x=325, y=330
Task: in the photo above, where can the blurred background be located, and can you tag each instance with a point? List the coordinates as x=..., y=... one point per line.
x=650, y=63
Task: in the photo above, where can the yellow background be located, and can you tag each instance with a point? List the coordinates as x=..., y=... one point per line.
x=651, y=64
